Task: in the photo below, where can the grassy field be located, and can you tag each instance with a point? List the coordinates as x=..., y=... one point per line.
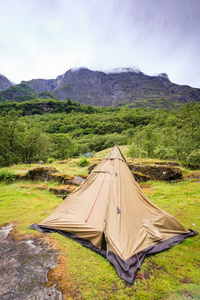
x=83, y=274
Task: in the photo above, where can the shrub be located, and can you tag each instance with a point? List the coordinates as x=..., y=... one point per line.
x=193, y=160
x=50, y=160
x=83, y=162
x=7, y=176
x=134, y=151
x=164, y=152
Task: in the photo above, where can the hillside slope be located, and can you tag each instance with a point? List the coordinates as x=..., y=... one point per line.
x=23, y=92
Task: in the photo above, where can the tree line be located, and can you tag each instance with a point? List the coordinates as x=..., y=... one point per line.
x=69, y=129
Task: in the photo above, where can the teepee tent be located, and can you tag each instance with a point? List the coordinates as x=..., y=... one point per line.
x=110, y=214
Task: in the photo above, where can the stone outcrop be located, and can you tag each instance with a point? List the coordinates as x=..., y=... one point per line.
x=157, y=172
x=140, y=177
x=24, y=266
x=61, y=190
x=51, y=174
x=41, y=173
x=66, y=179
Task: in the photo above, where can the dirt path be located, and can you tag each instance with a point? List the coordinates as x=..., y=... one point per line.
x=24, y=267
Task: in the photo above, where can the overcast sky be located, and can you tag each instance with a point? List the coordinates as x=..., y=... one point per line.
x=45, y=38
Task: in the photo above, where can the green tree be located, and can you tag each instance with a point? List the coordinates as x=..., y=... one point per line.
x=10, y=128
x=63, y=147
x=36, y=145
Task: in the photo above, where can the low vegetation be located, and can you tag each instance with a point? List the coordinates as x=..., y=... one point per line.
x=83, y=274
x=7, y=175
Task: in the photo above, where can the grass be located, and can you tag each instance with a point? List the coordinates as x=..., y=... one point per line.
x=25, y=205
x=83, y=274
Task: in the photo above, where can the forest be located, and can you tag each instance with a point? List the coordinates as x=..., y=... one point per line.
x=49, y=130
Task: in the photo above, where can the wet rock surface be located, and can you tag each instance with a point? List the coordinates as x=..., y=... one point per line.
x=24, y=266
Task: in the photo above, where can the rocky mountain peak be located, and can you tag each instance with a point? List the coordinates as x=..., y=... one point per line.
x=5, y=83
x=163, y=75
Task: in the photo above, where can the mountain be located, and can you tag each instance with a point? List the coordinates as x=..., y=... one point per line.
x=23, y=92
x=121, y=86
x=4, y=83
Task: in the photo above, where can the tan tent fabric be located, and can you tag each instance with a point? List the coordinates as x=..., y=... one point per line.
x=111, y=202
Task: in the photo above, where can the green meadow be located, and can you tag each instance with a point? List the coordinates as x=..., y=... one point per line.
x=83, y=274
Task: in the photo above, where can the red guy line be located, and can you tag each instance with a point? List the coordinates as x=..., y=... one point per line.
x=96, y=197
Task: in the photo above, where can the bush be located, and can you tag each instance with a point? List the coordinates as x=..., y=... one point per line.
x=50, y=160
x=83, y=162
x=193, y=160
x=164, y=152
x=7, y=176
x=134, y=151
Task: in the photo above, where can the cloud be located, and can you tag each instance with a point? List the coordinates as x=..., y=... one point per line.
x=42, y=39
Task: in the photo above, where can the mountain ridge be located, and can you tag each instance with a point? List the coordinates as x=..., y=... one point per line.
x=118, y=87
x=5, y=83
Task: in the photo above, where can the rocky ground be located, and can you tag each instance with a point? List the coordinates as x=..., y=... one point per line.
x=24, y=266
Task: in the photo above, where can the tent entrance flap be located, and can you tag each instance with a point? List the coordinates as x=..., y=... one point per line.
x=103, y=243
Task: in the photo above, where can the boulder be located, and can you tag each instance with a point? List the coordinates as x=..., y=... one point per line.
x=41, y=173
x=50, y=174
x=68, y=179
x=157, y=172
x=140, y=177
